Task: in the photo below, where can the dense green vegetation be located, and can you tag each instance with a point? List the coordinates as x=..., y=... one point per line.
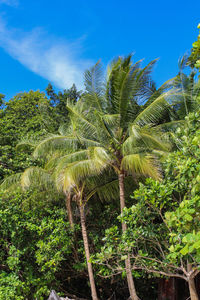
x=100, y=193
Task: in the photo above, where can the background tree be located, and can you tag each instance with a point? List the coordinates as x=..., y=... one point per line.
x=194, y=59
x=26, y=115
x=59, y=101
x=36, y=245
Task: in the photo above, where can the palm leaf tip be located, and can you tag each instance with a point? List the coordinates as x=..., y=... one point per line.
x=11, y=182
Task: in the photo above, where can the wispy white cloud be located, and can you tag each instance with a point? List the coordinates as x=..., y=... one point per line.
x=57, y=60
x=10, y=2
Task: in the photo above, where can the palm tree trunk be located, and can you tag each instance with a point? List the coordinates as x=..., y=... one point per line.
x=69, y=210
x=192, y=287
x=87, y=253
x=129, y=276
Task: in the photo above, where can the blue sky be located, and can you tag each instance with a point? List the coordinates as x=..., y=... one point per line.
x=44, y=41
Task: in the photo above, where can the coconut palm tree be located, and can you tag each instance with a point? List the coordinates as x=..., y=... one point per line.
x=132, y=153
x=78, y=178
x=121, y=125
x=189, y=98
x=78, y=174
x=118, y=119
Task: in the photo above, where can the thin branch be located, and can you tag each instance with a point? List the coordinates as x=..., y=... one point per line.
x=161, y=272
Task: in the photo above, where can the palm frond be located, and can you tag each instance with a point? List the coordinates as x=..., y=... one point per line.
x=165, y=87
x=55, y=142
x=168, y=126
x=11, y=182
x=141, y=164
x=25, y=144
x=154, y=142
x=86, y=142
x=145, y=138
x=80, y=121
x=183, y=61
x=119, y=69
x=105, y=133
x=111, y=120
x=37, y=177
x=99, y=155
x=145, y=85
x=106, y=191
x=154, y=112
x=130, y=88
x=76, y=172
x=63, y=160
x=94, y=86
x=65, y=129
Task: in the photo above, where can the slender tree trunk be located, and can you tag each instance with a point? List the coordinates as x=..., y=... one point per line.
x=87, y=253
x=192, y=287
x=130, y=281
x=69, y=210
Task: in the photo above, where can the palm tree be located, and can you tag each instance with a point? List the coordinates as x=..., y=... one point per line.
x=117, y=119
x=77, y=174
x=67, y=179
x=128, y=154
x=188, y=99
x=121, y=126
x=81, y=199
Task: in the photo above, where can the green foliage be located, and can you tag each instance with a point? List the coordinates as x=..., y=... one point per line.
x=26, y=115
x=54, y=244
x=29, y=116
x=185, y=233
x=163, y=224
x=59, y=102
x=117, y=126
x=194, y=58
x=34, y=245
x=11, y=287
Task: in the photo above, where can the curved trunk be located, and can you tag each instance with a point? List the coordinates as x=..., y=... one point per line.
x=131, y=285
x=69, y=210
x=87, y=252
x=192, y=287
